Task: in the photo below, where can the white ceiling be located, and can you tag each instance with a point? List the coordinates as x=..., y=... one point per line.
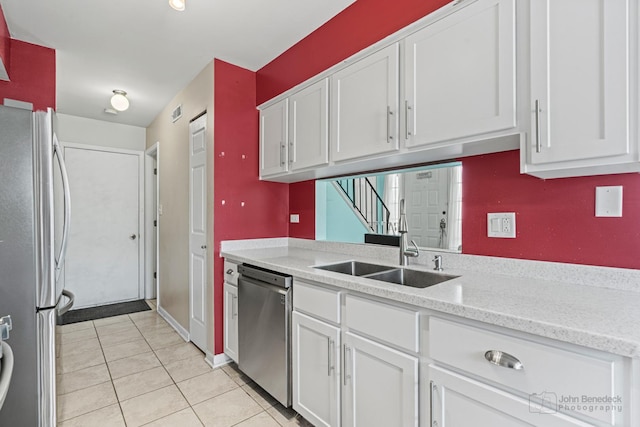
x=151, y=51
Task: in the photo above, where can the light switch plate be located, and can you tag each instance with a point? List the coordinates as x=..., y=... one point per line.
x=294, y=218
x=501, y=224
x=609, y=201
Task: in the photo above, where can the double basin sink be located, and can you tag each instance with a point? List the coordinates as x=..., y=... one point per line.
x=385, y=273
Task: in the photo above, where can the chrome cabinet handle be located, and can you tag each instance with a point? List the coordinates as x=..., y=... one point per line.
x=234, y=304
x=282, y=153
x=389, y=131
x=538, y=142
x=230, y=271
x=346, y=364
x=503, y=359
x=408, y=120
x=290, y=152
x=330, y=347
x=432, y=390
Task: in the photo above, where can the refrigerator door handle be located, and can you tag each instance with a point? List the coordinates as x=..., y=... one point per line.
x=62, y=310
x=67, y=207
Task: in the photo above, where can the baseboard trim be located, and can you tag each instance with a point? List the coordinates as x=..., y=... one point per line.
x=215, y=361
x=184, y=334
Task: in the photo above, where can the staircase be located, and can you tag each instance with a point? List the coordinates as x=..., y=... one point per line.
x=366, y=202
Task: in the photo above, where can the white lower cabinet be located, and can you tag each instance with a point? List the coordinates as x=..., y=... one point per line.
x=380, y=385
x=458, y=401
x=231, y=321
x=341, y=377
x=363, y=362
x=316, y=375
x=504, y=378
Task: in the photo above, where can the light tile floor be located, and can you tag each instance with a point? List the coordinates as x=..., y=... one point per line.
x=135, y=370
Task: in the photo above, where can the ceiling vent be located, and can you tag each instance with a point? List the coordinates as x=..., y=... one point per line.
x=176, y=113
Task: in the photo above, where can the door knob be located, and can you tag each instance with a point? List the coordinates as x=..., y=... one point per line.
x=133, y=237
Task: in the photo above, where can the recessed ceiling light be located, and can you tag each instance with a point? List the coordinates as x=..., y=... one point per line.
x=119, y=100
x=177, y=4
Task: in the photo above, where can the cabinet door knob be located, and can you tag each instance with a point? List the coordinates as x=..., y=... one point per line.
x=230, y=271
x=203, y=247
x=503, y=359
x=133, y=237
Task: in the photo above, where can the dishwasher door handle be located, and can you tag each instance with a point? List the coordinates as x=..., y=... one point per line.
x=270, y=287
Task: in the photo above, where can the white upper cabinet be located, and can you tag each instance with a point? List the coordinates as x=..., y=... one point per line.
x=581, y=91
x=273, y=139
x=309, y=126
x=460, y=74
x=364, y=106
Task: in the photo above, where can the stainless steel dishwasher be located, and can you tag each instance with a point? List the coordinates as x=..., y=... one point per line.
x=264, y=329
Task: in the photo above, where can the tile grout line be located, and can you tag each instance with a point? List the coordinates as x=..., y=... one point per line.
x=110, y=380
x=240, y=383
x=174, y=383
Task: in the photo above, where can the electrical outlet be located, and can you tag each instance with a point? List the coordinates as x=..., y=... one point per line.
x=501, y=224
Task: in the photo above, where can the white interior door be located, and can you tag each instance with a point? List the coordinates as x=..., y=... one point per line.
x=198, y=232
x=103, y=264
x=428, y=192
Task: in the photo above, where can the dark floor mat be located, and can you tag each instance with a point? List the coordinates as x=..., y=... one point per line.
x=93, y=313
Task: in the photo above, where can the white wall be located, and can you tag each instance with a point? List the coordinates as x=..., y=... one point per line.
x=96, y=132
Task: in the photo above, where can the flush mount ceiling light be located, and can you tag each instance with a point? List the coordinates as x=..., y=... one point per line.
x=177, y=4
x=119, y=100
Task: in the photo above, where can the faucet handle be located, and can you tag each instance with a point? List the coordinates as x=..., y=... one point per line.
x=412, y=252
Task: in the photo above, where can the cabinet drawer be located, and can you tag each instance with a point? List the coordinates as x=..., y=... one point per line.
x=565, y=374
x=457, y=400
x=395, y=325
x=316, y=300
x=231, y=272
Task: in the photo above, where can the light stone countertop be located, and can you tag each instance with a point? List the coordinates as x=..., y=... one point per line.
x=596, y=317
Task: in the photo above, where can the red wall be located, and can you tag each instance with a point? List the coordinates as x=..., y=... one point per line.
x=302, y=201
x=555, y=218
x=5, y=42
x=266, y=204
x=33, y=75
x=358, y=26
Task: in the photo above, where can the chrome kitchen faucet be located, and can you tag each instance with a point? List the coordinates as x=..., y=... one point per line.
x=403, y=229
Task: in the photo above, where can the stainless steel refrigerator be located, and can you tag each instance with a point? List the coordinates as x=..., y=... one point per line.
x=32, y=249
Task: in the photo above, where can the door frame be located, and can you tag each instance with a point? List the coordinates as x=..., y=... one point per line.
x=152, y=155
x=141, y=210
